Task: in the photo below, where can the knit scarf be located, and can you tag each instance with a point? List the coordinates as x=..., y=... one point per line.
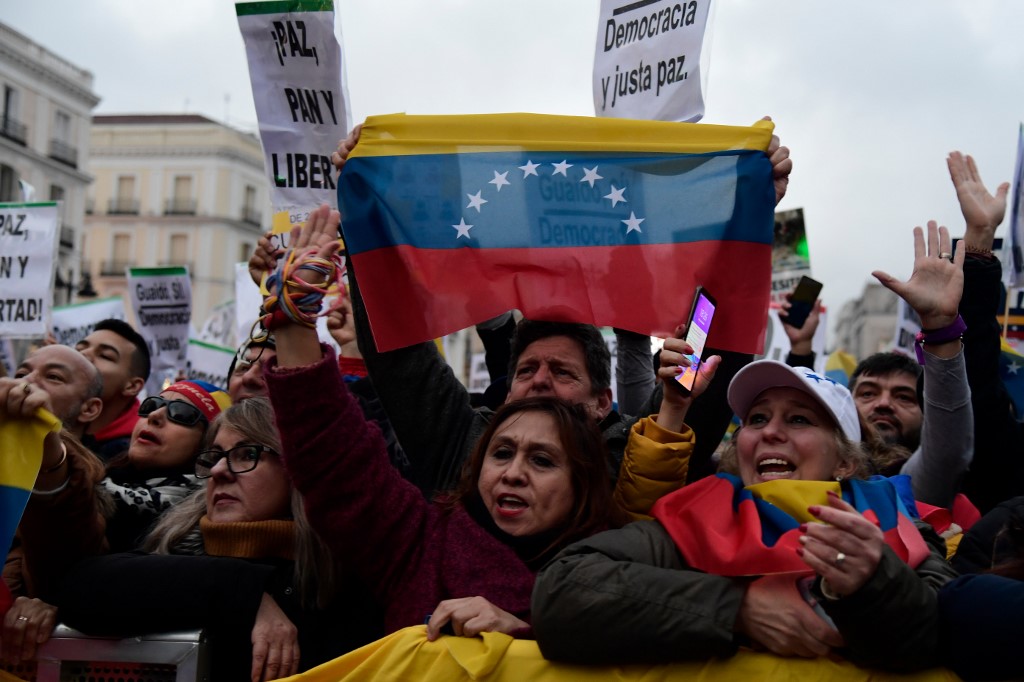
x=273, y=539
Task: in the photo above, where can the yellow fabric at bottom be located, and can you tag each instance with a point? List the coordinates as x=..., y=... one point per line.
x=407, y=655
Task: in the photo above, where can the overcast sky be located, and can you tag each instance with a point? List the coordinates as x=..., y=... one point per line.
x=870, y=96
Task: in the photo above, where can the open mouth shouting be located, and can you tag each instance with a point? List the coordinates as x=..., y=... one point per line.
x=772, y=467
x=511, y=506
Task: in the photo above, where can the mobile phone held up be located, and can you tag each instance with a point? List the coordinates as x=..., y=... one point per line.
x=802, y=301
x=697, y=327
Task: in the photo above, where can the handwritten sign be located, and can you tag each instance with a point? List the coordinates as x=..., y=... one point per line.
x=295, y=66
x=648, y=59
x=162, y=301
x=209, y=362
x=28, y=250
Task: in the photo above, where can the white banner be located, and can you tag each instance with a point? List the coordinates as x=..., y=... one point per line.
x=72, y=323
x=648, y=59
x=247, y=302
x=209, y=362
x=776, y=344
x=28, y=251
x=295, y=66
x=7, y=357
x=219, y=327
x=162, y=301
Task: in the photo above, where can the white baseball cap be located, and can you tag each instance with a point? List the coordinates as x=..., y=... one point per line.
x=757, y=377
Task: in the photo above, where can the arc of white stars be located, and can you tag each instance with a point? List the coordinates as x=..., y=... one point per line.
x=616, y=196
x=561, y=168
x=500, y=180
x=476, y=201
x=462, y=228
x=529, y=169
x=590, y=175
x=633, y=223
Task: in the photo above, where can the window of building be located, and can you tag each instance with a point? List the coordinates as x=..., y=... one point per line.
x=124, y=199
x=10, y=126
x=120, y=255
x=8, y=183
x=244, y=252
x=57, y=194
x=182, y=201
x=179, y=249
x=62, y=127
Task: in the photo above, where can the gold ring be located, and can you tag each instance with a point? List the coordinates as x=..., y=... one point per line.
x=27, y=388
x=945, y=255
x=23, y=619
x=840, y=558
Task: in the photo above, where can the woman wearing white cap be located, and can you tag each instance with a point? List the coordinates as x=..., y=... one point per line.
x=787, y=550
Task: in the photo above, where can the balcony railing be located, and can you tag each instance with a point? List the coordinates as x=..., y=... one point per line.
x=252, y=216
x=180, y=207
x=13, y=130
x=123, y=206
x=115, y=268
x=63, y=152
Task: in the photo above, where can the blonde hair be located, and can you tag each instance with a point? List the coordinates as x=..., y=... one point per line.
x=316, y=572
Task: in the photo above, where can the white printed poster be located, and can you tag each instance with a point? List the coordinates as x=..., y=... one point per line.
x=219, y=326
x=1013, y=245
x=648, y=59
x=162, y=301
x=72, y=323
x=28, y=251
x=209, y=362
x=247, y=302
x=908, y=324
x=297, y=75
x=776, y=342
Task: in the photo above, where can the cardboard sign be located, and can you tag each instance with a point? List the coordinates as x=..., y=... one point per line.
x=72, y=323
x=162, y=301
x=648, y=59
x=28, y=251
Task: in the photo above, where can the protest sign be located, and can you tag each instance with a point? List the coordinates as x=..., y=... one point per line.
x=162, y=301
x=648, y=59
x=219, y=327
x=247, y=302
x=908, y=324
x=297, y=75
x=209, y=362
x=28, y=250
x=72, y=323
x=790, y=257
x=7, y=356
x=1013, y=250
x=777, y=345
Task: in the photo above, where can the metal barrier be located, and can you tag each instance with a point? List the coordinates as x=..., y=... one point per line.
x=70, y=656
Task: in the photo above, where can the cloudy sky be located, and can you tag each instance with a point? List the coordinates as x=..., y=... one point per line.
x=870, y=96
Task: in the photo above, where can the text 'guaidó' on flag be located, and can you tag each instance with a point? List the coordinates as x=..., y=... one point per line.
x=451, y=220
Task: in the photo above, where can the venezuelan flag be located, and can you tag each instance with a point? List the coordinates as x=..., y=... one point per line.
x=21, y=442
x=451, y=220
x=724, y=528
x=1011, y=371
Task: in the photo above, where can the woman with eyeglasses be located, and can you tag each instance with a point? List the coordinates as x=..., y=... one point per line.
x=157, y=472
x=237, y=559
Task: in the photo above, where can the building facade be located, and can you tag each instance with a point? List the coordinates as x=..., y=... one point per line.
x=44, y=142
x=174, y=189
x=867, y=325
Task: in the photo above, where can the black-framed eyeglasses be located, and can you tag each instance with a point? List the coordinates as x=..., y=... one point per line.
x=241, y=459
x=178, y=411
x=254, y=350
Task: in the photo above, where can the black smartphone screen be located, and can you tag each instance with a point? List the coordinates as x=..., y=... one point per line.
x=802, y=301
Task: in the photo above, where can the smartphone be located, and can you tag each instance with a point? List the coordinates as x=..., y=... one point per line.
x=802, y=301
x=697, y=327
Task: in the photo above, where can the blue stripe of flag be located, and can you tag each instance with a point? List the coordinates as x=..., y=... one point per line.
x=417, y=200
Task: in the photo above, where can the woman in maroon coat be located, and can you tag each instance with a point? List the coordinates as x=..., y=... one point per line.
x=536, y=482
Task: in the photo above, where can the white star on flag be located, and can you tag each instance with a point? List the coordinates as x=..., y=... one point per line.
x=561, y=168
x=463, y=228
x=1012, y=369
x=476, y=201
x=500, y=179
x=633, y=223
x=590, y=175
x=529, y=169
x=616, y=196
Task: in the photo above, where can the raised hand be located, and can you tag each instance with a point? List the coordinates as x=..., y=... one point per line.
x=800, y=338
x=345, y=147
x=982, y=211
x=937, y=283
x=782, y=165
x=675, y=404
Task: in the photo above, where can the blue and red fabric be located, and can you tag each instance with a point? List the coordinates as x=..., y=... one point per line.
x=451, y=220
x=724, y=528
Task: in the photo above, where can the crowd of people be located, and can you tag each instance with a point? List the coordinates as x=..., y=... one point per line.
x=320, y=501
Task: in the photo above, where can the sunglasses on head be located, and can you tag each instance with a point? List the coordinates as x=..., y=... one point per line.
x=178, y=411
